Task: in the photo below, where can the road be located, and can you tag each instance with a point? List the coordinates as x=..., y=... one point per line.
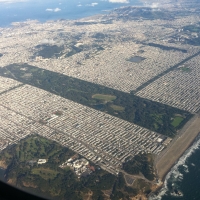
x=165, y=72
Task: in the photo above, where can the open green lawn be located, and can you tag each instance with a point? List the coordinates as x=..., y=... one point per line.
x=117, y=108
x=33, y=148
x=158, y=118
x=44, y=173
x=176, y=121
x=28, y=148
x=156, y=126
x=34, y=70
x=192, y=28
x=185, y=69
x=104, y=97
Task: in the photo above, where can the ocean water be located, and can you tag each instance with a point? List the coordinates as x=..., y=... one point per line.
x=43, y=10
x=183, y=177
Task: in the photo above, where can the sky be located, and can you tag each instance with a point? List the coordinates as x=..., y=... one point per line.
x=16, y=1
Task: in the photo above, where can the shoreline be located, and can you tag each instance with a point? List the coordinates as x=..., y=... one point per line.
x=184, y=140
x=87, y=13
x=191, y=144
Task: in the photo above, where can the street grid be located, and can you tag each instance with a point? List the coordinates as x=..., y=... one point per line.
x=106, y=140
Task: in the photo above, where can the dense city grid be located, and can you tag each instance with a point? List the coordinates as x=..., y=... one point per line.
x=103, y=59
x=102, y=138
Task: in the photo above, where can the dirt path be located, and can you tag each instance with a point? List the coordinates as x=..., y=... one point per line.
x=171, y=155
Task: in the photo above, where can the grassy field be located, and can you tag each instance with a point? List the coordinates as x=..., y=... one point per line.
x=104, y=97
x=36, y=147
x=44, y=173
x=192, y=28
x=185, y=69
x=177, y=120
x=31, y=147
x=117, y=108
x=158, y=120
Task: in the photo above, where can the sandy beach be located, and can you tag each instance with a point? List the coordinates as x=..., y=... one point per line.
x=178, y=147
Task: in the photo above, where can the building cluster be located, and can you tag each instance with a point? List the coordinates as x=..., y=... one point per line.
x=7, y=83
x=41, y=161
x=108, y=67
x=105, y=140
x=80, y=166
x=179, y=88
x=112, y=67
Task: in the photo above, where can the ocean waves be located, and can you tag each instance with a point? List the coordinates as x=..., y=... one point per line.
x=175, y=176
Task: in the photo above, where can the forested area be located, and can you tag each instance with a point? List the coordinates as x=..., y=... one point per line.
x=121, y=191
x=49, y=51
x=193, y=28
x=141, y=163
